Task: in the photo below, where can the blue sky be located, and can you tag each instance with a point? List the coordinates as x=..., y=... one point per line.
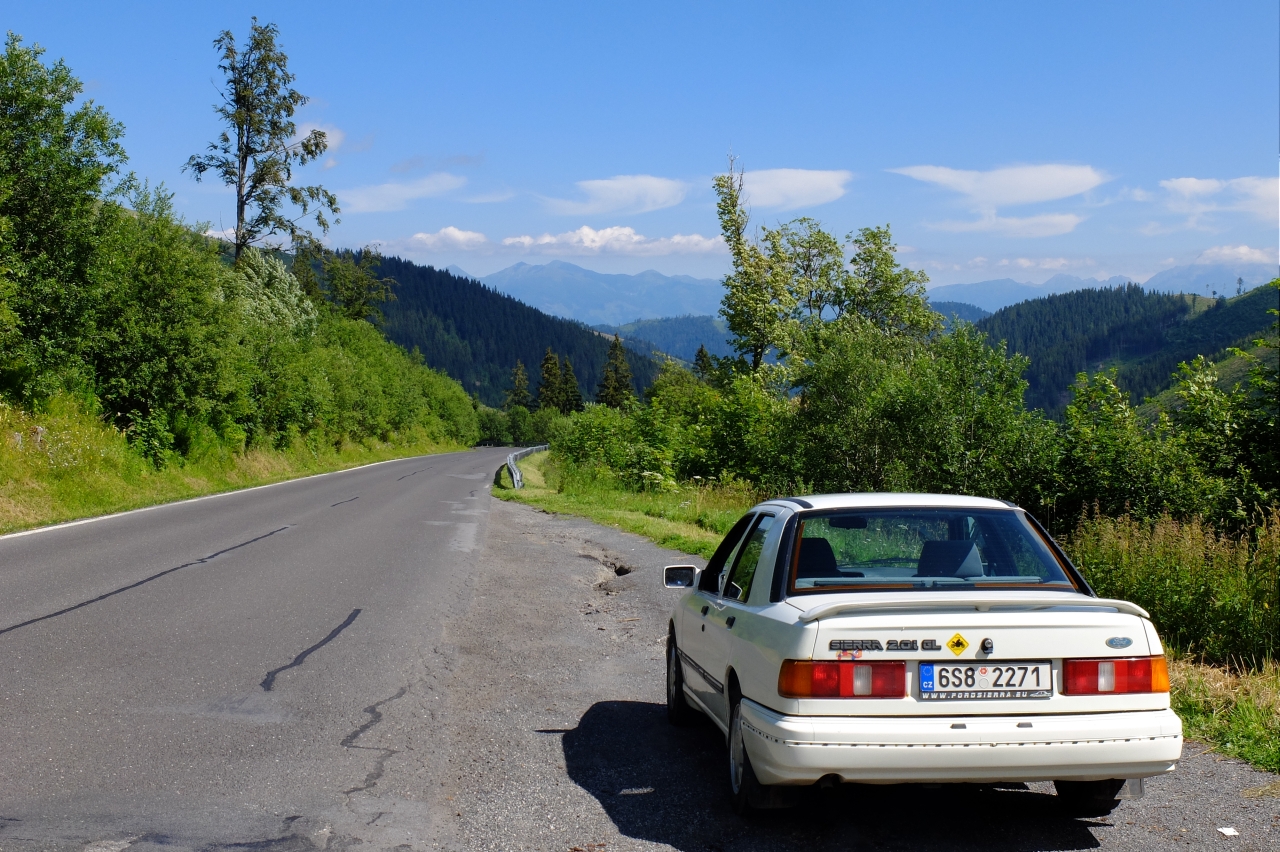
x=998, y=139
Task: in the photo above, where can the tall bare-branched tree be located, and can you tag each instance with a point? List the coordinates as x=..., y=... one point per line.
x=258, y=150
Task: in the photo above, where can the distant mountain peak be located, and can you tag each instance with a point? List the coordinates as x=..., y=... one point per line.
x=567, y=290
x=1198, y=278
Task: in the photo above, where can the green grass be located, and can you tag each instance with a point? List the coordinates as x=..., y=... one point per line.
x=63, y=464
x=1237, y=711
x=693, y=519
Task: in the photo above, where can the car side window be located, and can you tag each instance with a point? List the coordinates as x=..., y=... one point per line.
x=710, y=579
x=738, y=587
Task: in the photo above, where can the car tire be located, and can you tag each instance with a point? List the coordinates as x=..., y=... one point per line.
x=679, y=711
x=747, y=791
x=1089, y=798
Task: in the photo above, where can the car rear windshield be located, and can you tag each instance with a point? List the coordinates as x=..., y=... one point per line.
x=921, y=550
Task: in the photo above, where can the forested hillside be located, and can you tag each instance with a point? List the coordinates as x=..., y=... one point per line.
x=678, y=336
x=1145, y=335
x=476, y=334
x=960, y=310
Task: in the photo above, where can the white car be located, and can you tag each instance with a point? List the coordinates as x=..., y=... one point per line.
x=888, y=638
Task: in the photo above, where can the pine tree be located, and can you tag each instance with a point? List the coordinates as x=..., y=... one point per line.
x=518, y=395
x=570, y=393
x=703, y=366
x=615, y=387
x=550, y=391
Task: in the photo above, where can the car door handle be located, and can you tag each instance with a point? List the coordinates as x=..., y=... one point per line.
x=728, y=622
x=704, y=609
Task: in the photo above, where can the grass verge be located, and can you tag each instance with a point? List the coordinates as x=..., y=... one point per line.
x=1236, y=711
x=692, y=520
x=63, y=464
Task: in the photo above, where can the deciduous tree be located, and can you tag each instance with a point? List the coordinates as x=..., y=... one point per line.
x=353, y=286
x=56, y=158
x=755, y=300
x=257, y=152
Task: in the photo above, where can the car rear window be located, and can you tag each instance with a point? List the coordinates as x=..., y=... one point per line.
x=921, y=550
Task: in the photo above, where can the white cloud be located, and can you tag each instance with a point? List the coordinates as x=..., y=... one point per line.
x=787, y=189
x=1044, y=225
x=1011, y=185
x=1051, y=263
x=615, y=240
x=448, y=238
x=396, y=196
x=1194, y=197
x=1192, y=187
x=333, y=135
x=631, y=193
x=1236, y=254
x=224, y=234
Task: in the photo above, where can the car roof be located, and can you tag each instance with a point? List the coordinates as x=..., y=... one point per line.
x=876, y=500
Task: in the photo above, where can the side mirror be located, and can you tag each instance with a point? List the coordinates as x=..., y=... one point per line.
x=680, y=576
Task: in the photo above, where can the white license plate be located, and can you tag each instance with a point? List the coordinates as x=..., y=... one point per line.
x=983, y=681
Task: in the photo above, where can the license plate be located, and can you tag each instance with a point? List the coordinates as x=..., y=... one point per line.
x=984, y=681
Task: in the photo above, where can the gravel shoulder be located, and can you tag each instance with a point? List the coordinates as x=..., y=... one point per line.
x=553, y=735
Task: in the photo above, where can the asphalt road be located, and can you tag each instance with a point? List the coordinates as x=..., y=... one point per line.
x=236, y=670
x=388, y=658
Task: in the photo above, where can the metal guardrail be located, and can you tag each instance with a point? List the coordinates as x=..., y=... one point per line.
x=517, y=481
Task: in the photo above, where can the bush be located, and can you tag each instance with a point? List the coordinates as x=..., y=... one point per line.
x=1211, y=595
x=494, y=427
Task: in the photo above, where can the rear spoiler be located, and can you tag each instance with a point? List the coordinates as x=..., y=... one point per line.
x=1039, y=602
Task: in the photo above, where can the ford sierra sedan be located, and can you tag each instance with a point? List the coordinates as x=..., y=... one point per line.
x=915, y=638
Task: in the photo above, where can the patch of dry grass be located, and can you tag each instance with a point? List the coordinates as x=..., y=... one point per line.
x=1238, y=711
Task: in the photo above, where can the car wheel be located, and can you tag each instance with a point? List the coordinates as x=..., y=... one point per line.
x=1089, y=798
x=679, y=712
x=748, y=792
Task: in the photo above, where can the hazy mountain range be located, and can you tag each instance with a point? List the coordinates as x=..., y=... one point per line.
x=1200, y=278
x=598, y=298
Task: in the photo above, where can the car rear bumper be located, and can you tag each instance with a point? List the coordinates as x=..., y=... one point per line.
x=802, y=749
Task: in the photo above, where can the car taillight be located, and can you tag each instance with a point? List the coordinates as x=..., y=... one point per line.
x=842, y=679
x=1115, y=675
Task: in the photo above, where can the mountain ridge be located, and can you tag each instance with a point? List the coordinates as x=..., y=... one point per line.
x=1199, y=278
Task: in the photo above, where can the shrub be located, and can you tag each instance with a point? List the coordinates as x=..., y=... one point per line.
x=1212, y=595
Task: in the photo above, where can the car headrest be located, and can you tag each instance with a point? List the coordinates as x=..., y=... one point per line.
x=949, y=559
x=816, y=559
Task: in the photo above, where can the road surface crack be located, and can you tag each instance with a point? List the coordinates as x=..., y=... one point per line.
x=204, y=560
x=270, y=680
x=384, y=754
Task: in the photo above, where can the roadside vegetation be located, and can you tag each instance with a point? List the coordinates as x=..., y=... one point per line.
x=844, y=380
x=143, y=360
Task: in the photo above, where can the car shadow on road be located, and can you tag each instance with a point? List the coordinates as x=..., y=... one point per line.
x=669, y=785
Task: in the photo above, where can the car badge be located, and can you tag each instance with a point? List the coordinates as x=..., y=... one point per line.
x=957, y=644
x=1119, y=642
